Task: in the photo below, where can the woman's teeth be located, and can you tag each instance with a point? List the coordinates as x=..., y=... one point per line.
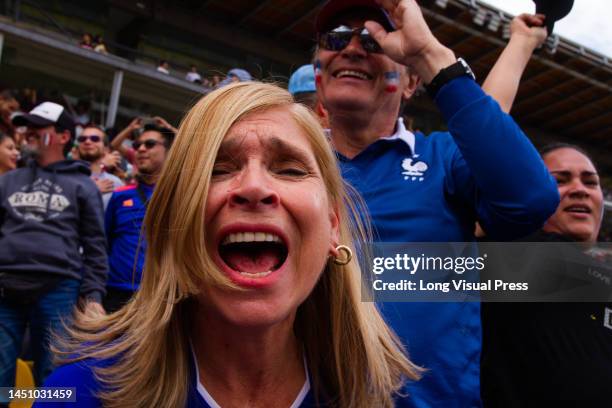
x=255, y=275
x=250, y=237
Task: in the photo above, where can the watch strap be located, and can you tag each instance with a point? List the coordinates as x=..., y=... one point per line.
x=456, y=70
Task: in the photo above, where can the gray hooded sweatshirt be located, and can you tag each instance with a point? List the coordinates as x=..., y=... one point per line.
x=46, y=215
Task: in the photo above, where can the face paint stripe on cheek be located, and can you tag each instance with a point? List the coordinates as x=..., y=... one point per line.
x=317, y=70
x=392, y=80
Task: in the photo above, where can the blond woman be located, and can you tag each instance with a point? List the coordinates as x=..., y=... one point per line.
x=249, y=295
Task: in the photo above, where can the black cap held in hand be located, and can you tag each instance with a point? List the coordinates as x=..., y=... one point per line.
x=554, y=10
x=334, y=8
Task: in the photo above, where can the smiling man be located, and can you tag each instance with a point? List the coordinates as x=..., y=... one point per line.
x=371, y=57
x=92, y=147
x=125, y=214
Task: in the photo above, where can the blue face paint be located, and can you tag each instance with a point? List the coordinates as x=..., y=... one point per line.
x=46, y=139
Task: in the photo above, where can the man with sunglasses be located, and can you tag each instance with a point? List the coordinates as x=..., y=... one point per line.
x=52, y=251
x=92, y=147
x=125, y=214
x=372, y=56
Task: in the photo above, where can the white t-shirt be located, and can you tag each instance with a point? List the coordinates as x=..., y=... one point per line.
x=193, y=76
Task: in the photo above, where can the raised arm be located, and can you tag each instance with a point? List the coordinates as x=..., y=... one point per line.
x=495, y=169
x=159, y=121
x=526, y=34
x=117, y=143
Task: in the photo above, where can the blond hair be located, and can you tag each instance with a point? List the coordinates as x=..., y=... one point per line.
x=353, y=356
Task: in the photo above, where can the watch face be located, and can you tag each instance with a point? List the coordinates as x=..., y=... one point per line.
x=465, y=65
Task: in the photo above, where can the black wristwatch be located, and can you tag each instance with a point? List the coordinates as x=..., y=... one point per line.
x=458, y=69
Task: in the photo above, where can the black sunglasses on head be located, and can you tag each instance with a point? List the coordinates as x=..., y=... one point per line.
x=148, y=144
x=338, y=39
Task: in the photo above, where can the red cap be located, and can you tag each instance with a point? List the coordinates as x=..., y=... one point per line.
x=333, y=8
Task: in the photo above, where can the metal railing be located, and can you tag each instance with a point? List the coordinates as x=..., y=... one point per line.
x=13, y=9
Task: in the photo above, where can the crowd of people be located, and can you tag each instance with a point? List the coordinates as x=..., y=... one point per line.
x=96, y=43
x=219, y=264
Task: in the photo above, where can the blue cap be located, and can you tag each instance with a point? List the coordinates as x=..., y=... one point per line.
x=302, y=80
x=241, y=74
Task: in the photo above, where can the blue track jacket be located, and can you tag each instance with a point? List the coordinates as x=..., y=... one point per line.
x=432, y=189
x=123, y=223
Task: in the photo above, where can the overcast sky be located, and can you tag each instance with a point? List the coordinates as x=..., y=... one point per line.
x=589, y=23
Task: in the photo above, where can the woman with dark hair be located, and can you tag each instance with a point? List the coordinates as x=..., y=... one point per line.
x=580, y=211
x=8, y=153
x=555, y=354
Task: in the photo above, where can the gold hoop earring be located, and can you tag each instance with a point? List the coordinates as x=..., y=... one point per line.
x=348, y=255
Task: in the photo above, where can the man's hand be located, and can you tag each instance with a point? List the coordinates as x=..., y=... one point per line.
x=111, y=160
x=135, y=124
x=412, y=43
x=95, y=308
x=529, y=29
x=105, y=185
x=163, y=123
x=91, y=308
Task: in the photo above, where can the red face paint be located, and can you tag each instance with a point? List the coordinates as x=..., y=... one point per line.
x=317, y=72
x=391, y=81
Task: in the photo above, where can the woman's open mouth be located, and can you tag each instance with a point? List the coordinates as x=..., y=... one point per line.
x=253, y=255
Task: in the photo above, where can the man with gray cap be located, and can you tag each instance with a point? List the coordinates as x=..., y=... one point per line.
x=52, y=246
x=371, y=56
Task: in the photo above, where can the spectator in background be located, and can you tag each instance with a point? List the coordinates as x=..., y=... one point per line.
x=235, y=75
x=580, y=211
x=8, y=153
x=304, y=90
x=193, y=75
x=125, y=214
x=100, y=46
x=48, y=212
x=425, y=188
x=82, y=112
x=555, y=354
x=92, y=147
x=163, y=67
x=8, y=106
x=207, y=84
x=86, y=41
x=216, y=80
x=122, y=143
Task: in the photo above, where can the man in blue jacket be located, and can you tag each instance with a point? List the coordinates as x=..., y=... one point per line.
x=49, y=211
x=369, y=59
x=125, y=214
